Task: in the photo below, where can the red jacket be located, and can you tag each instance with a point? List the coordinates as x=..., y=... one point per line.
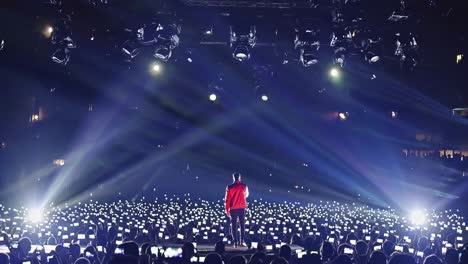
x=236, y=195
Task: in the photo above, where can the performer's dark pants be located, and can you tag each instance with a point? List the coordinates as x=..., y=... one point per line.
x=237, y=214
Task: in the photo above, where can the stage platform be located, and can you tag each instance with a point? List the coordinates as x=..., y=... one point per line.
x=204, y=249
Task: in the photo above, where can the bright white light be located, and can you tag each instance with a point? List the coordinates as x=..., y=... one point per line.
x=59, y=162
x=342, y=116
x=418, y=217
x=156, y=68
x=50, y=29
x=35, y=215
x=213, y=97
x=394, y=114
x=241, y=56
x=264, y=97
x=334, y=72
x=375, y=59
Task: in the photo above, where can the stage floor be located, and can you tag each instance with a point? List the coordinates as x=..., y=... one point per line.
x=207, y=248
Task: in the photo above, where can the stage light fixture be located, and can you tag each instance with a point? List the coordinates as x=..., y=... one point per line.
x=394, y=114
x=241, y=42
x=343, y=116
x=50, y=29
x=208, y=31
x=371, y=57
x=264, y=97
x=130, y=49
x=61, y=56
x=334, y=72
x=340, y=56
x=167, y=39
x=373, y=50
x=213, y=97
x=308, y=43
x=406, y=48
x=241, y=53
x=162, y=52
x=308, y=56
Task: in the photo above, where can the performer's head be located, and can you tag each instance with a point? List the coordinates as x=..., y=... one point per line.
x=236, y=176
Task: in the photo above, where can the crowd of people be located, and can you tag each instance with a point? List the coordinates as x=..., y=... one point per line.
x=172, y=230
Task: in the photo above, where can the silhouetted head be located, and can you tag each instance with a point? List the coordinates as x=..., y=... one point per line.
x=75, y=250
x=220, y=248
x=4, y=259
x=285, y=252
x=377, y=257
x=451, y=257
x=51, y=241
x=236, y=176
x=5, y=237
x=188, y=250
x=423, y=243
x=327, y=251
x=123, y=259
x=237, y=260
x=342, y=259
x=25, y=244
x=258, y=258
x=388, y=247
x=130, y=248
x=309, y=243
x=82, y=261
x=279, y=261
x=213, y=258
x=144, y=248
x=432, y=259
x=312, y=259
x=361, y=248
x=402, y=258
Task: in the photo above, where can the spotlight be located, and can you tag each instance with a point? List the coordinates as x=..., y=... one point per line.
x=156, y=68
x=343, y=115
x=213, y=97
x=35, y=215
x=264, y=97
x=394, y=114
x=2, y=44
x=418, y=217
x=334, y=72
x=50, y=29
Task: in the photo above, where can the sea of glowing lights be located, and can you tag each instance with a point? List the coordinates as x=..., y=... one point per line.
x=179, y=219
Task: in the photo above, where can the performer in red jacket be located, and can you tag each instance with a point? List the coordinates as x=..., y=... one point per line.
x=236, y=203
